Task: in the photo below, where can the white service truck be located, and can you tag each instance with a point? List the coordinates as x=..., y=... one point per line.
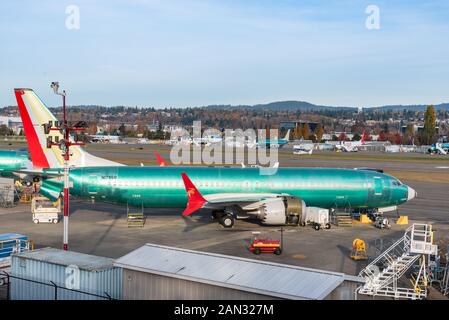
x=317, y=217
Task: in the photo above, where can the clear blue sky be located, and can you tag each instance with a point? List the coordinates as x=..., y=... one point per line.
x=189, y=53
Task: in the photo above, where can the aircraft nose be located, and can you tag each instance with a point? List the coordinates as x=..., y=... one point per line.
x=411, y=193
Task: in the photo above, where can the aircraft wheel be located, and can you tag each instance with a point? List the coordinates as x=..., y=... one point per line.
x=227, y=221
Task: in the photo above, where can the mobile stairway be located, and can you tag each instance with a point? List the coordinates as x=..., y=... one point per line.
x=136, y=218
x=383, y=274
x=341, y=217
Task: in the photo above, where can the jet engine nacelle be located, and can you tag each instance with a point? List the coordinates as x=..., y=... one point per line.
x=283, y=210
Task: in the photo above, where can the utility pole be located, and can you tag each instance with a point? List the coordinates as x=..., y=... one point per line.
x=64, y=128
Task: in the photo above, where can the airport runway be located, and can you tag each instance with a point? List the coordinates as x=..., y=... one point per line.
x=136, y=154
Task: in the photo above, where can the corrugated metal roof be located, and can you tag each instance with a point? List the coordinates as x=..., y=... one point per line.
x=272, y=279
x=65, y=258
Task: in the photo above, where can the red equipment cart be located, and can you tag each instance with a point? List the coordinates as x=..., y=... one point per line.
x=259, y=246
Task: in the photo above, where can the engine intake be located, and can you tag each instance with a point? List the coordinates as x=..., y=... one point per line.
x=283, y=210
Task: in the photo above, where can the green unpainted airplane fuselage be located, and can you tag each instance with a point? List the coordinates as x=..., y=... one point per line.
x=163, y=187
x=268, y=142
x=13, y=160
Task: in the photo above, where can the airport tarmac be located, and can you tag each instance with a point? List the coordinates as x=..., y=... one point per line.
x=101, y=229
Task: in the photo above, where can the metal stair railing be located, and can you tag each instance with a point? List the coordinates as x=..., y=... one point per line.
x=394, y=248
x=393, y=271
x=422, y=239
x=395, y=261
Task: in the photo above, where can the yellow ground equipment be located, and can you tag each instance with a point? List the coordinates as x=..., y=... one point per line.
x=358, y=251
x=403, y=220
x=363, y=219
x=25, y=198
x=26, y=193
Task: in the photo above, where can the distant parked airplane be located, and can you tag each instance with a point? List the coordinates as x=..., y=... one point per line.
x=440, y=148
x=301, y=150
x=351, y=146
x=269, y=143
x=208, y=140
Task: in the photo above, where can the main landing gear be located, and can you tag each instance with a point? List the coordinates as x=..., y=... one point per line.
x=224, y=217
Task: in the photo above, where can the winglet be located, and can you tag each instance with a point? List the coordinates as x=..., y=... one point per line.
x=160, y=160
x=195, y=199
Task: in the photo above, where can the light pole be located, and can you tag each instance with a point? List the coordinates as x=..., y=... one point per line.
x=64, y=145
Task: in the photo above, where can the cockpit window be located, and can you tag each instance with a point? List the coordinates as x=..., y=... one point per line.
x=397, y=183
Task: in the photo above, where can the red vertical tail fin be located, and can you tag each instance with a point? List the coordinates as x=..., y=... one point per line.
x=363, y=136
x=33, y=130
x=160, y=160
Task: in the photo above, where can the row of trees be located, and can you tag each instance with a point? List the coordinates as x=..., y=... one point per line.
x=5, y=131
x=304, y=132
x=225, y=117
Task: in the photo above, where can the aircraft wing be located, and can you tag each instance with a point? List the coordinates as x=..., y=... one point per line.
x=197, y=201
x=226, y=198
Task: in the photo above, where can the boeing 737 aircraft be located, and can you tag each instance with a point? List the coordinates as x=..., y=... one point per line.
x=232, y=193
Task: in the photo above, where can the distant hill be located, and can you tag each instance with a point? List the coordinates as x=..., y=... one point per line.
x=419, y=107
x=277, y=105
x=284, y=105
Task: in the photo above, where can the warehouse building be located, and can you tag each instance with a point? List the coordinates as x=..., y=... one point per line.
x=160, y=272
x=53, y=274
